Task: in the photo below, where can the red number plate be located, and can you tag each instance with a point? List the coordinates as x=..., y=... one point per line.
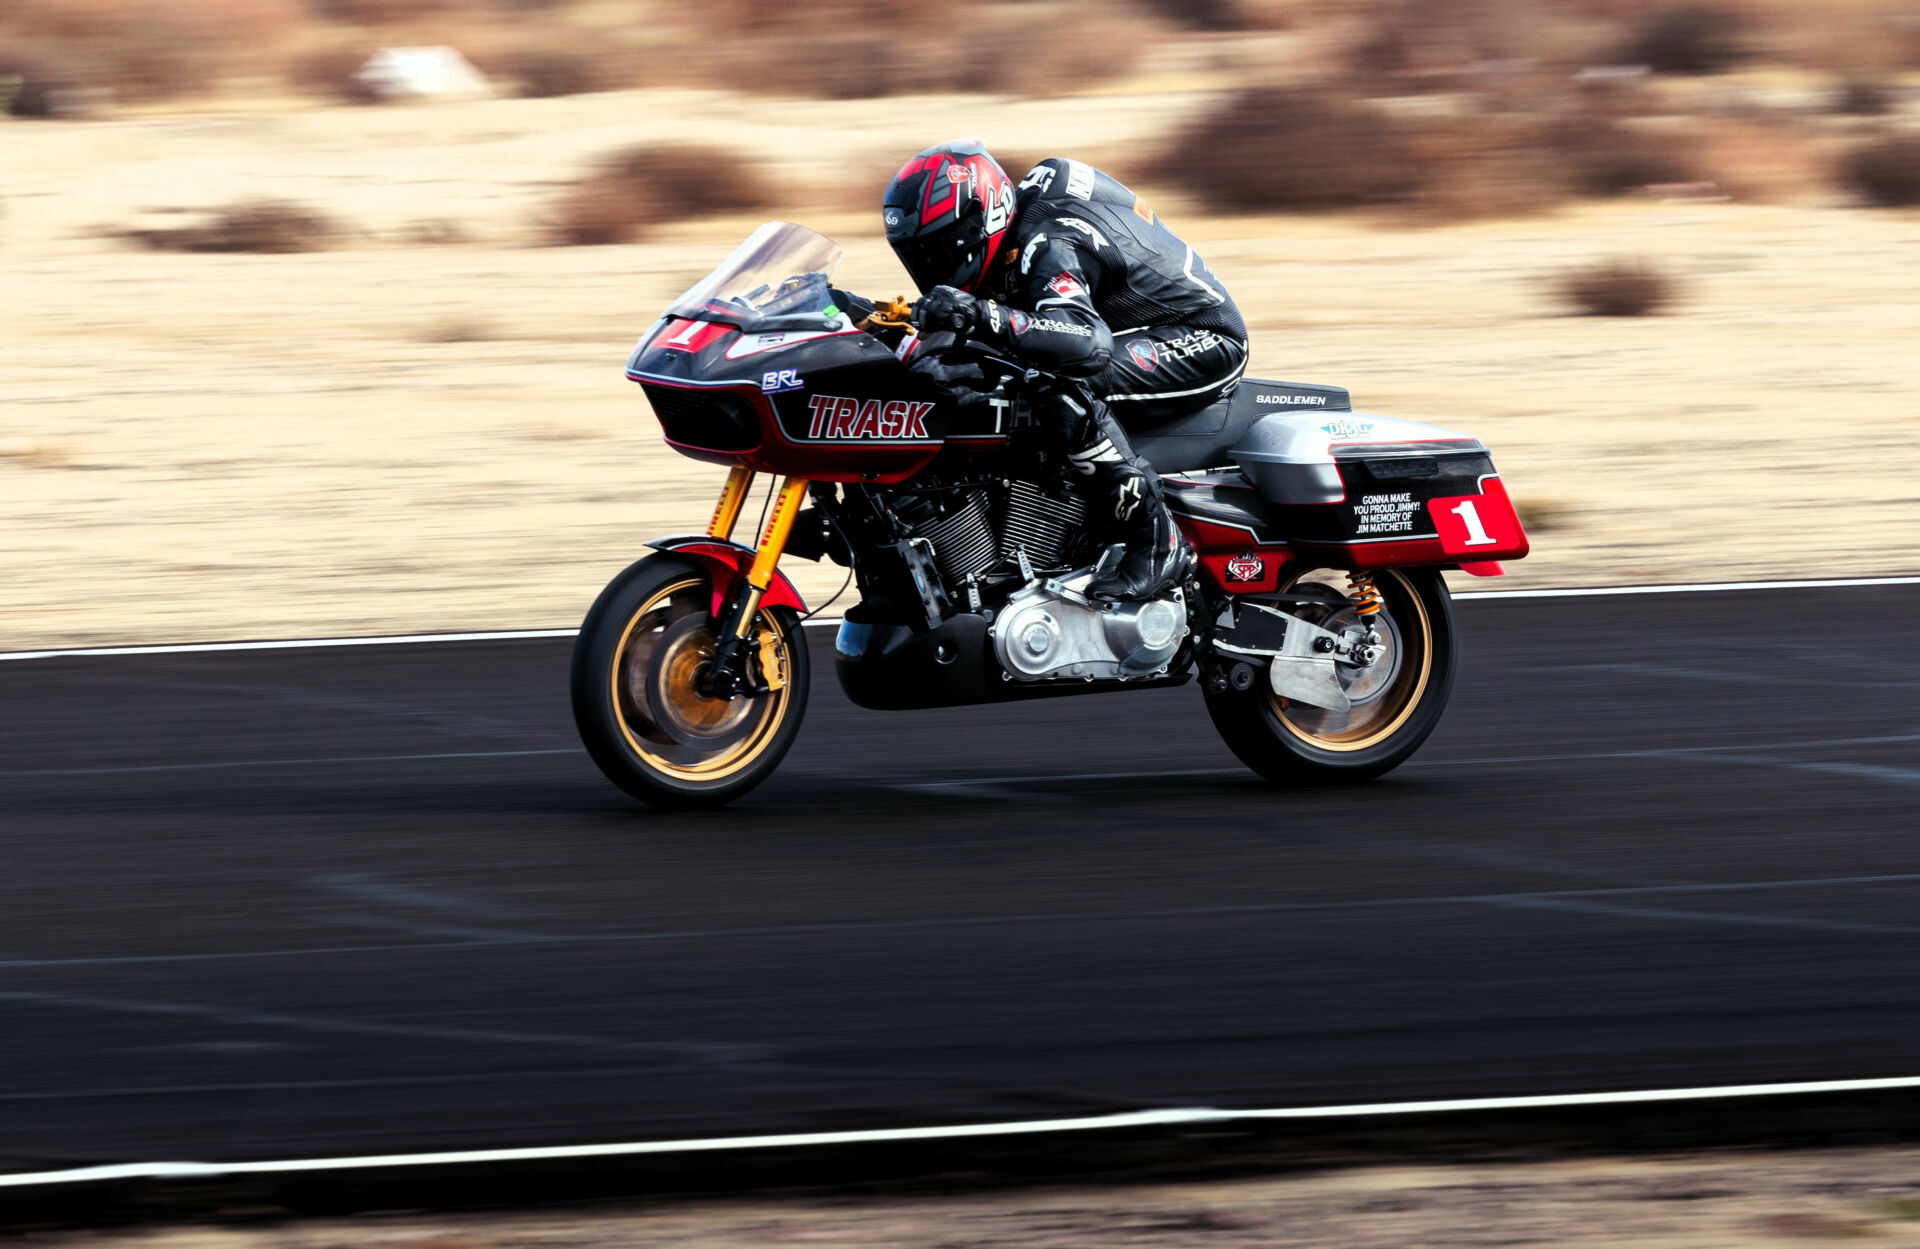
x=1479, y=526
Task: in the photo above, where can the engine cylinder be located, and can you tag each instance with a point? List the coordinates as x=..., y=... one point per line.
x=963, y=539
x=1043, y=525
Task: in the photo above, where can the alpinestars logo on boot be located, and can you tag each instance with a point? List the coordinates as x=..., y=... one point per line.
x=894, y=420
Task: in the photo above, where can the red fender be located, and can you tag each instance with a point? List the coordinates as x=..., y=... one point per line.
x=727, y=562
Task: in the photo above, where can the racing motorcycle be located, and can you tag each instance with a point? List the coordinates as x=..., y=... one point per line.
x=1314, y=616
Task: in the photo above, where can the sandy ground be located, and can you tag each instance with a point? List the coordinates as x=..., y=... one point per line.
x=1725, y=1201
x=395, y=436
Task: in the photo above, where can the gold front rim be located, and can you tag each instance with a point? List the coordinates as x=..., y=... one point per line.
x=660, y=660
x=1408, y=634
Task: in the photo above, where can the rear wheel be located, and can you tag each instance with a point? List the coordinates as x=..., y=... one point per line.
x=638, y=664
x=1397, y=700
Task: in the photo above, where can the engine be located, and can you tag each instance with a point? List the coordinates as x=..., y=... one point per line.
x=976, y=592
x=1046, y=526
x=1049, y=631
x=1008, y=551
x=976, y=528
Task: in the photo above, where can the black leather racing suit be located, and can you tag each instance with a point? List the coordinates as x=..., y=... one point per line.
x=1094, y=286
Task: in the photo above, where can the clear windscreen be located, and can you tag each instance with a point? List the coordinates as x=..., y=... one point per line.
x=776, y=280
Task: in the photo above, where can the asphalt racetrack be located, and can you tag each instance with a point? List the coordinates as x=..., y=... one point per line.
x=326, y=901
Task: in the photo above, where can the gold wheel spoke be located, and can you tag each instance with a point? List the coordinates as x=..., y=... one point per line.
x=663, y=717
x=1408, y=634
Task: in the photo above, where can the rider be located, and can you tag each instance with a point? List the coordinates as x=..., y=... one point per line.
x=1072, y=273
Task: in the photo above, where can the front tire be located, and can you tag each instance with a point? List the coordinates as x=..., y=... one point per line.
x=636, y=667
x=1397, y=702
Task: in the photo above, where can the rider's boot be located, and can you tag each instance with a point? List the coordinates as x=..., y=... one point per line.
x=1156, y=556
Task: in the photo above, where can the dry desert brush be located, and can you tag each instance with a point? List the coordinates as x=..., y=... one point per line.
x=866, y=49
x=641, y=187
x=1886, y=172
x=1274, y=149
x=261, y=225
x=1688, y=39
x=1616, y=288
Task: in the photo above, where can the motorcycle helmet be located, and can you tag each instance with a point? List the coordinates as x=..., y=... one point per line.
x=947, y=213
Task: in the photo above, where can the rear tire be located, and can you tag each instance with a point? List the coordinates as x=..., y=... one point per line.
x=1295, y=744
x=640, y=650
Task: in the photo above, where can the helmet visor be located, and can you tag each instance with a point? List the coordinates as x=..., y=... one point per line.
x=949, y=258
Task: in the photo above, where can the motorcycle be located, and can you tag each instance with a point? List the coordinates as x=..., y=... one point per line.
x=1314, y=615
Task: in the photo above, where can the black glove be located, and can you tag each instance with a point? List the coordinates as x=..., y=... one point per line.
x=856, y=308
x=948, y=308
x=953, y=377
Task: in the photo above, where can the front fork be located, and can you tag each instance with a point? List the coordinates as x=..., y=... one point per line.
x=731, y=673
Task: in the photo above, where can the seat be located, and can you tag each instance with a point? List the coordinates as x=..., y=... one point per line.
x=1205, y=439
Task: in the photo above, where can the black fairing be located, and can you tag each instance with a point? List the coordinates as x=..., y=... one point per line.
x=711, y=419
x=1205, y=438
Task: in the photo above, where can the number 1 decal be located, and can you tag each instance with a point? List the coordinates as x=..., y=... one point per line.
x=1472, y=527
x=1476, y=532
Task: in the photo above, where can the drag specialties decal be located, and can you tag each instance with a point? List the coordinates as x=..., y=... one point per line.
x=890, y=420
x=1144, y=355
x=781, y=381
x=1246, y=567
x=1347, y=429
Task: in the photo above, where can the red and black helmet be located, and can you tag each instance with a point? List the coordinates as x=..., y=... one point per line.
x=947, y=212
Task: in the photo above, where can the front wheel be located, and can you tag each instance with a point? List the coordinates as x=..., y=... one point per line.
x=1396, y=701
x=637, y=670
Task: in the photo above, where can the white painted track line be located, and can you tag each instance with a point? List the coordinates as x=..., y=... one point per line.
x=194, y=648
x=1710, y=587
x=515, y=635
x=1095, y=1123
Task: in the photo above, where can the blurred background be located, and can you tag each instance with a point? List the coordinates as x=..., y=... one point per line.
x=315, y=310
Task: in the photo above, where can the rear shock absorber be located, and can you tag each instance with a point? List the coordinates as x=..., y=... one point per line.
x=1366, y=597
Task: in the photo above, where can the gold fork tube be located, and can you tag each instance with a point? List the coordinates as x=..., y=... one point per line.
x=733, y=496
x=779, y=525
x=793, y=491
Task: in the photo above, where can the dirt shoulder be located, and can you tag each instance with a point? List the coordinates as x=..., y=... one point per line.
x=396, y=436
x=1711, y=1201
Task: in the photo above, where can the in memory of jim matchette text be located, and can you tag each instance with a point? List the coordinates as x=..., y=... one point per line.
x=1385, y=513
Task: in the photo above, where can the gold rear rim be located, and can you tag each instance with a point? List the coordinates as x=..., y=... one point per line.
x=664, y=650
x=1386, y=694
